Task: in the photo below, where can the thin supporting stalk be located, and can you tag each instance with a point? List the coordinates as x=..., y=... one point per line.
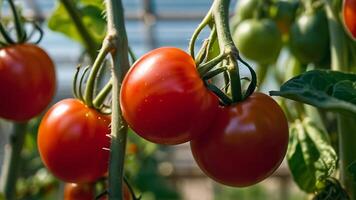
x=338, y=44
x=12, y=161
x=88, y=39
x=117, y=35
x=220, y=13
x=347, y=143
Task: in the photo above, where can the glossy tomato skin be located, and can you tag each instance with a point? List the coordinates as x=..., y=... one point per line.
x=71, y=139
x=27, y=81
x=73, y=191
x=163, y=98
x=246, y=143
x=349, y=14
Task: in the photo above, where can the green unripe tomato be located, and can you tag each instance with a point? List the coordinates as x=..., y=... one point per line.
x=309, y=37
x=245, y=9
x=258, y=40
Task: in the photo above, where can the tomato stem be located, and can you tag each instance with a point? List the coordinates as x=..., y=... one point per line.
x=99, y=99
x=12, y=160
x=338, y=45
x=347, y=151
x=87, y=38
x=197, y=31
x=117, y=36
x=220, y=11
x=20, y=32
x=90, y=86
x=206, y=67
x=5, y=35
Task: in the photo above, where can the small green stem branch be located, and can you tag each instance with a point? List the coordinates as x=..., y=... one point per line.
x=89, y=88
x=220, y=12
x=338, y=44
x=20, y=32
x=347, y=139
x=197, y=31
x=12, y=161
x=99, y=99
x=117, y=35
x=87, y=38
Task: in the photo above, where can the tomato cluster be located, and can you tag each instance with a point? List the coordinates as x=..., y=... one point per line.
x=164, y=100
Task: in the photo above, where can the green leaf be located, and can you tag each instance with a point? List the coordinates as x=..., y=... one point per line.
x=91, y=15
x=2, y=196
x=352, y=170
x=331, y=90
x=310, y=155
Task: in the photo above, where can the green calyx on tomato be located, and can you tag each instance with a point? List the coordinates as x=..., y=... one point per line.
x=27, y=81
x=163, y=98
x=246, y=143
x=309, y=37
x=258, y=40
x=73, y=142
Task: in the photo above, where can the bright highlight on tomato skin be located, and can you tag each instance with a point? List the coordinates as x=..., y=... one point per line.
x=163, y=98
x=246, y=143
x=71, y=141
x=349, y=14
x=27, y=81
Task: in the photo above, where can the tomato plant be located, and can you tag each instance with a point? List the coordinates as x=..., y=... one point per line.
x=258, y=40
x=27, y=81
x=349, y=14
x=72, y=139
x=246, y=144
x=309, y=37
x=163, y=98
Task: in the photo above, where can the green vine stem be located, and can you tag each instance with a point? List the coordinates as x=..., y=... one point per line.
x=12, y=161
x=88, y=39
x=20, y=32
x=347, y=151
x=100, y=98
x=197, y=31
x=220, y=12
x=338, y=42
x=117, y=36
x=89, y=88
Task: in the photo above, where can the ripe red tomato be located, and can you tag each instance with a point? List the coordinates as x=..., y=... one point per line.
x=27, y=81
x=245, y=144
x=349, y=14
x=71, y=139
x=163, y=98
x=73, y=191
